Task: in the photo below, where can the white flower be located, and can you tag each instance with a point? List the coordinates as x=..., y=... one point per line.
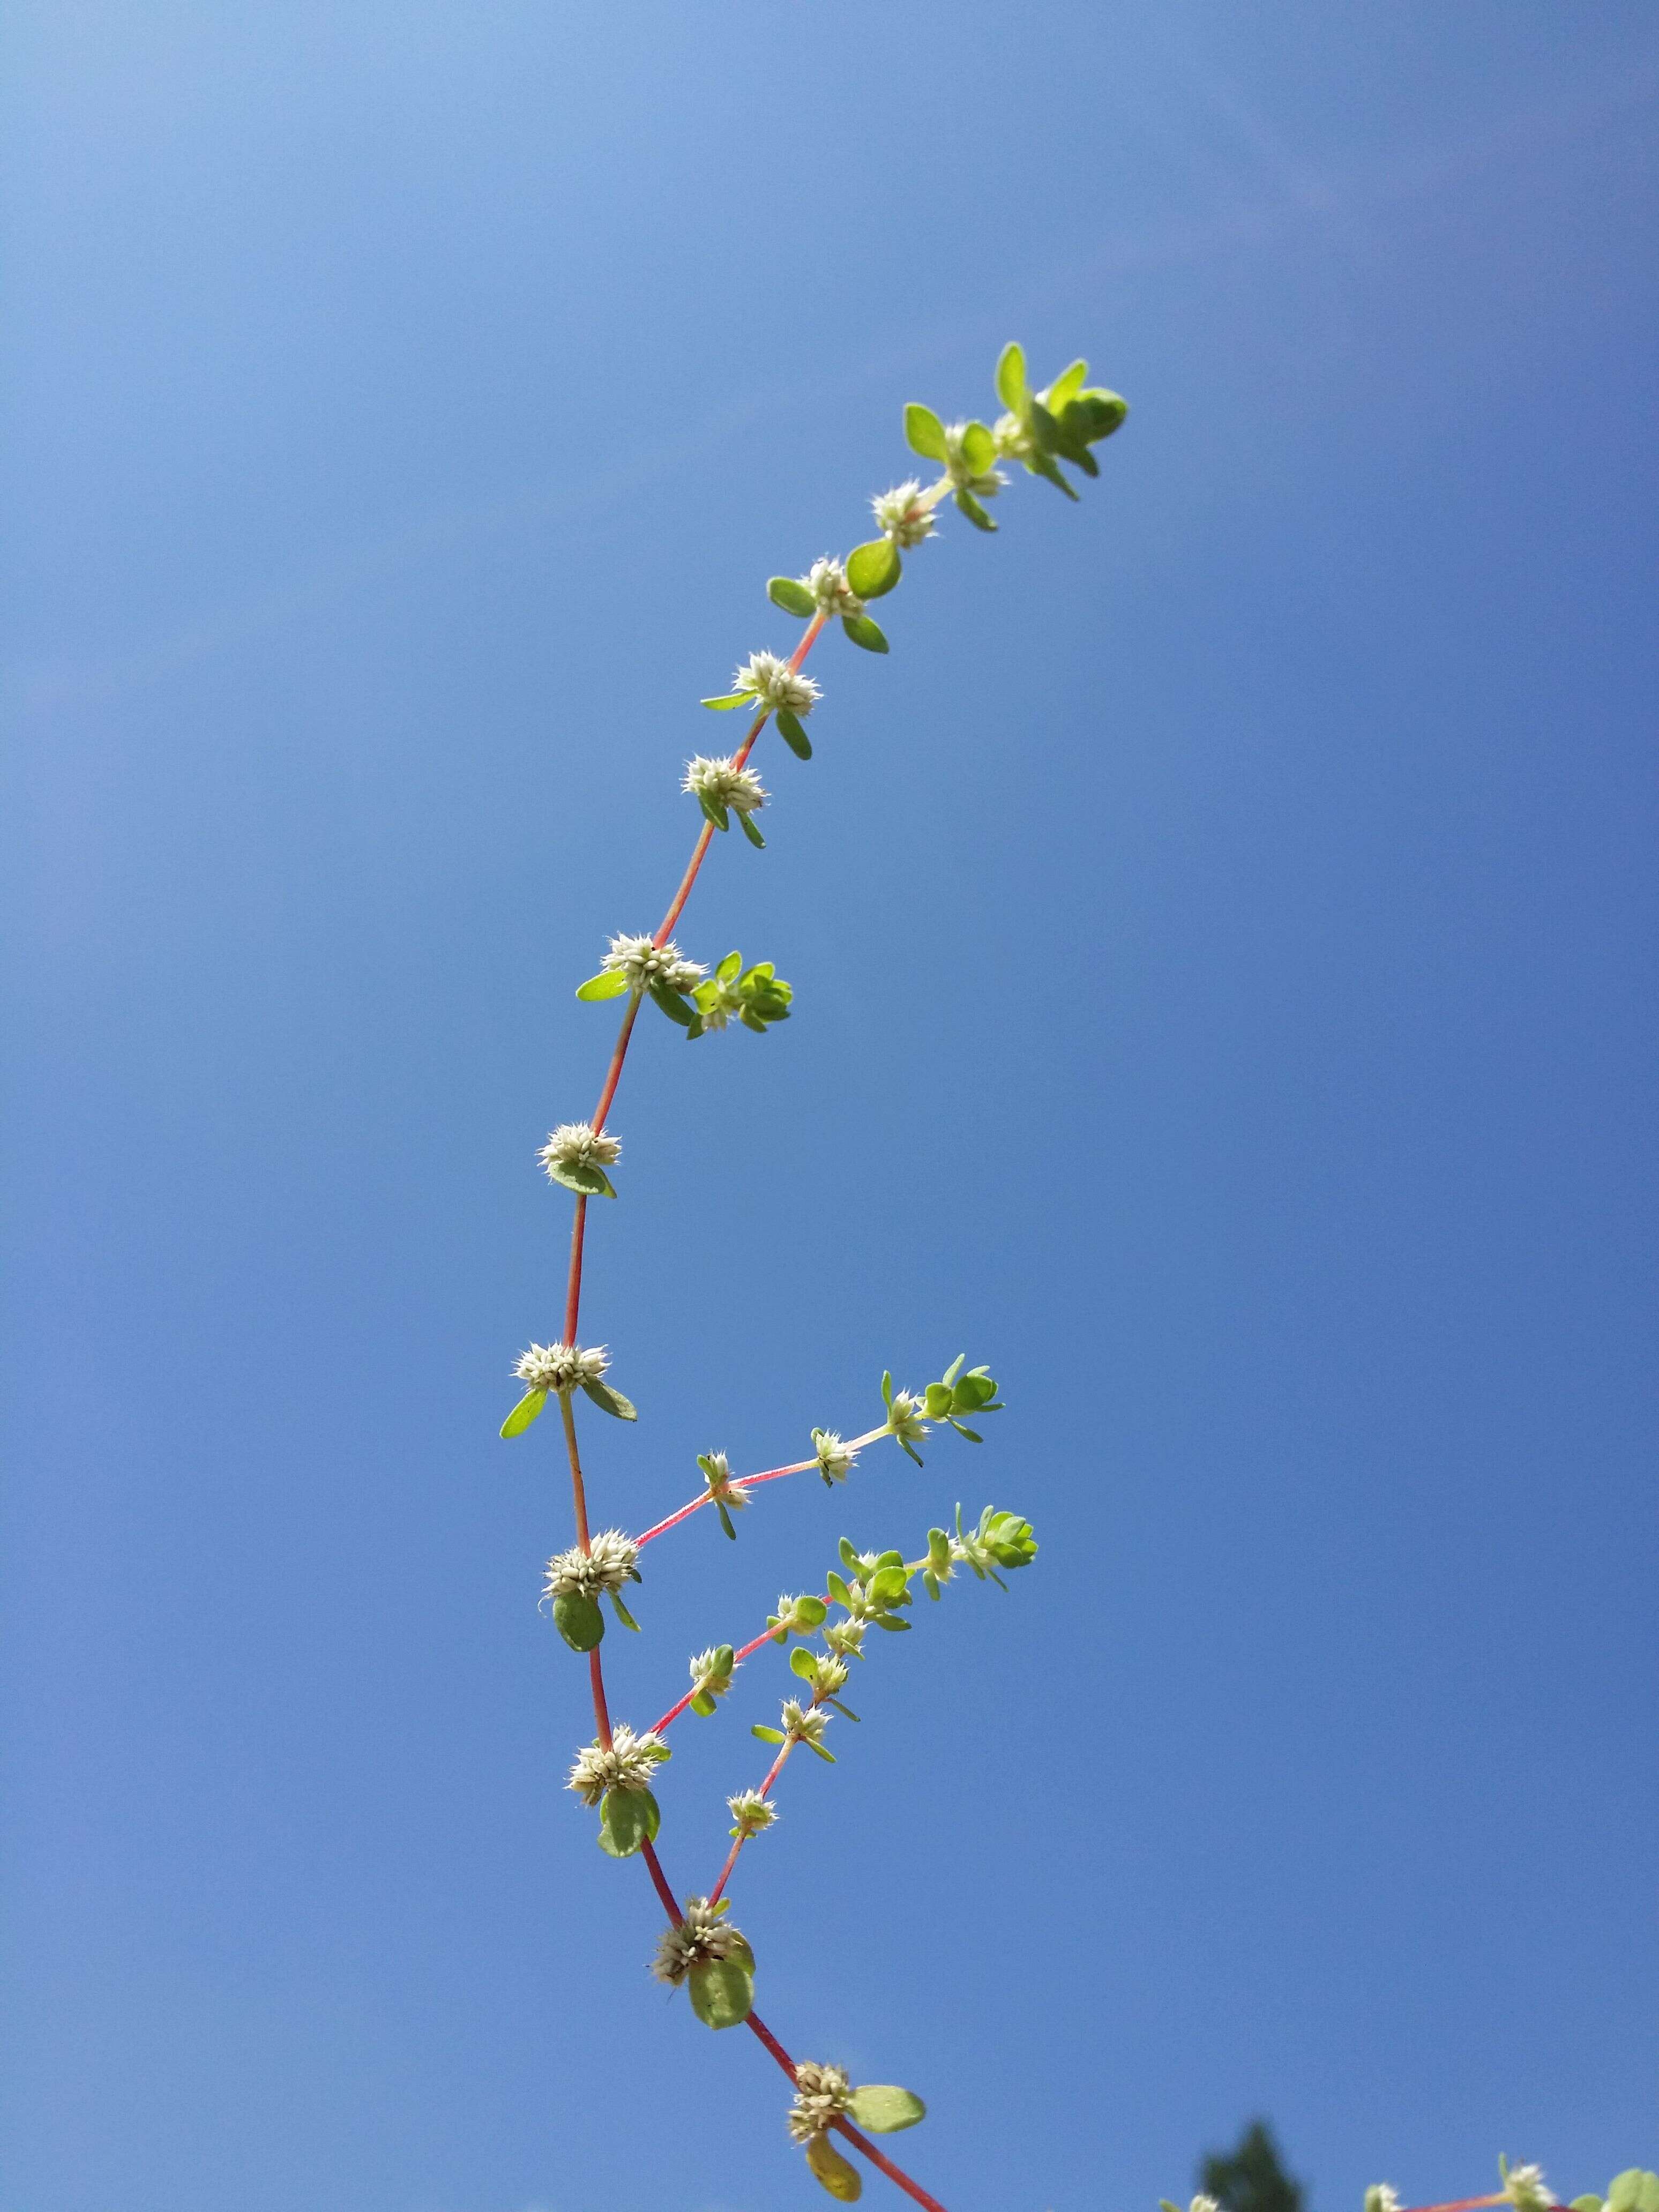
x=1202, y=2203
x=702, y=1935
x=717, y=1473
x=753, y=1814
x=1526, y=2188
x=772, y=682
x=626, y=1767
x=605, y=1565
x=561, y=1366
x=1382, y=2197
x=578, y=1144
x=904, y=514
x=803, y=1723
x=835, y=1458
x=845, y=1638
x=829, y=1675
x=644, y=963
x=1012, y=438
x=904, y=1418
x=723, y=784
x=706, y=1674
x=826, y=579
x=822, y=2094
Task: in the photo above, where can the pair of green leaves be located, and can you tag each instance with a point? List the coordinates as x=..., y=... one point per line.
x=790, y=726
x=882, y=2109
x=970, y=454
x=627, y=1818
x=755, y=996
x=792, y=596
x=1635, y=2190
x=713, y=811
x=959, y=1393
x=1000, y=1539
x=529, y=1408
x=611, y=983
x=578, y=1619
x=1060, y=423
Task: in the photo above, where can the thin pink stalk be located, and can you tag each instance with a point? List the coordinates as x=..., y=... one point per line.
x=743, y=1482
x=737, y=1842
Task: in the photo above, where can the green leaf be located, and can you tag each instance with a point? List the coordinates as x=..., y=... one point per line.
x=937, y=1401
x=786, y=592
x=524, y=1412
x=611, y=984
x=828, y=1757
x=713, y=812
x=767, y=1735
x=676, y=1008
x=924, y=433
x=811, y=1612
x=746, y=823
x=1066, y=386
x=955, y=1369
x=846, y=1711
x=722, y=1992
x=891, y=1623
x=838, y=1589
x=1010, y=377
x=703, y=1705
x=873, y=569
x=847, y=1556
x=726, y=1519
x=979, y=448
x=728, y=967
x=628, y=1818
x=622, y=1614
x=1100, y=412
x=610, y=1402
x=802, y=1662
x=884, y=2110
x=975, y=513
x=888, y=1584
x=832, y=2172
x=589, y=1181
x=862, y=631
x=578, y=1620
x=790, y=730
x=725, y=703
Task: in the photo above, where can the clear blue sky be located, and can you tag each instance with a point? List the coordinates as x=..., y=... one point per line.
x=1224, y=935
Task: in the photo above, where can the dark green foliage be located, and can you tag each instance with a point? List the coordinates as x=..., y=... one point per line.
x=1252, y=2177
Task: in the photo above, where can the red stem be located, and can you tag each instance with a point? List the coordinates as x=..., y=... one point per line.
x=738, y=1841
x=572, y=1314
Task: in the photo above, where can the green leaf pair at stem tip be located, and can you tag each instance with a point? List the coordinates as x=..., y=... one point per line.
x=529, y=1408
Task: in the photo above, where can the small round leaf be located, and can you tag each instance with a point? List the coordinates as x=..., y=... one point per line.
x=578, y=1620
x=884, y=2110
x=722, y=1992
x=833, y=2171
x=524, y=1412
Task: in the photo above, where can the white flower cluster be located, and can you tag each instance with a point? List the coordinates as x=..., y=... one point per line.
x=835, y=1459
x=753, y=1814
x=1382, y=2197
x=722, y=783
x=904, y=1418
x=845, y=1638
x=717, y=1473
x=644, y=963
x=829, y=1675
x=605, y=1565
x=1012, y=439
x=1526, y=2188
x=578, y=1145
x=702, y=1935
x=772, y=682
x=803, y=1723
x=826, y=579
x=822, y=2094
x=561, y=1366
x=627, y=1766
x=904, y=514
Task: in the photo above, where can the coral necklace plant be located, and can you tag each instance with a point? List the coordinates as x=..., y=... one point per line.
x=616, y=1774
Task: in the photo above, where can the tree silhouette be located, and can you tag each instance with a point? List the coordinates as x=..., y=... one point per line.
x=1251, y=2178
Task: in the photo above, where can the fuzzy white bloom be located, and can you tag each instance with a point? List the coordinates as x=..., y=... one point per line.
x=702, y=1935
x=753, y=1813
x=561, y=1366
x=717, y=1473
x=903, y=514
x=1526, y=2188
x=627, y=1766
x=829, y=1676
x=835, y=1459
x=1383, y=2196
x=644, y=963
x=904, y=1418
x=1012, y=438
x=606, y=1566
x=803, y=1723
x=845, y=1638
x=773, y=682
x=826, y=579
x=822, y=2094
x=578, y=1145
x=722, y=783
x=1202, y=2203
x=705, y=1675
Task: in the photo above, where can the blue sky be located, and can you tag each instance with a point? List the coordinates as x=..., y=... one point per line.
x=1223, y=939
